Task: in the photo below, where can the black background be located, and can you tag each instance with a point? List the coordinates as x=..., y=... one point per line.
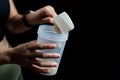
x=111, y=42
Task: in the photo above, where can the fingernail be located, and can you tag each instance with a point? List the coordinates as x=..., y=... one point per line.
x=58, y=55
x=47, y=71
x=54, y=64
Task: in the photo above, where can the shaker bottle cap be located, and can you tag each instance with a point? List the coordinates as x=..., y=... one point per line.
x=63, y=23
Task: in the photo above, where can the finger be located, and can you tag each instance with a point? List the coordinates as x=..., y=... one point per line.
x=45, y=55
x=39, y=69
x=43, y=46
x=44, y=64
x=33, y=45
x=47, y=20
x=49, y=11
x=53, y=12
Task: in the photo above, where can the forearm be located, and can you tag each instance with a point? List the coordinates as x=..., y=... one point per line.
x=15, y=22
x=16, y=25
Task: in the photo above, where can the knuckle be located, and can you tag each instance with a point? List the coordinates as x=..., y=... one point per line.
x=44, y=55
x=49, y=7
x=32, y=42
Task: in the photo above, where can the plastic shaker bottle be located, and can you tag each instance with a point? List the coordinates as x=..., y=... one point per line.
x=57, y=34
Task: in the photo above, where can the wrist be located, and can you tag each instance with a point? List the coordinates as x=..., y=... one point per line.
x=25, y=21
x=4, y=57
x=11, y=57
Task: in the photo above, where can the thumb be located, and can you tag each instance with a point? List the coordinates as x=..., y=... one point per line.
x=47, y=20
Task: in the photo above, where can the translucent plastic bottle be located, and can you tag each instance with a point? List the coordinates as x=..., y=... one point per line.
x=57, y=34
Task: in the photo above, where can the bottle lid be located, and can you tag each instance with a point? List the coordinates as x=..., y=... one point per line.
x=63, y=23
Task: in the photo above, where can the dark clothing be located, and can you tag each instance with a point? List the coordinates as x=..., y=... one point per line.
x=4, y=14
